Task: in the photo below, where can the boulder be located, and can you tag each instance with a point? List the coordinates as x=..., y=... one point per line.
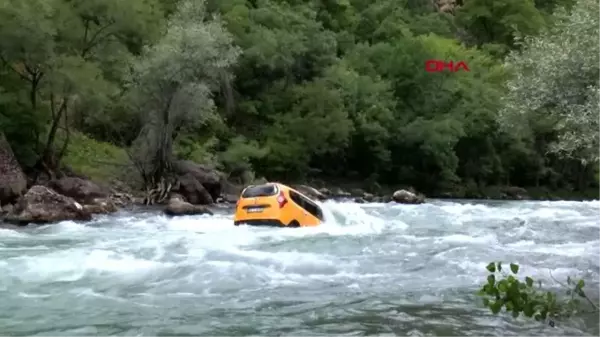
x=94, y=198
x=339, y=193
x=357, y=192
x=407, y=197
x=230, y=192
x=382, y=199
x=515, y=192
x=13, y=182
x=82, y=190
x=230, y=198
x=42, y=205
x=193, y=191
x=101, y=206
x=325, y=191
x=208, y=177
x=6, y=209
x=122, y=199
x=177, y=206
x=368, y=197
x=310, y=192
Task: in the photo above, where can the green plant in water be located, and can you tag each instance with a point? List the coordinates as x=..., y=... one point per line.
x=526, y=296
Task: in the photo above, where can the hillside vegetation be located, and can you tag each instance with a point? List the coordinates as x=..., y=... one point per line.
x=314, y=89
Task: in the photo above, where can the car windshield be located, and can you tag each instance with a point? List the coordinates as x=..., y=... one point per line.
x=259, y=191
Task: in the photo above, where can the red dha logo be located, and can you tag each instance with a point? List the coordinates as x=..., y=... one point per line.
x=435, y=66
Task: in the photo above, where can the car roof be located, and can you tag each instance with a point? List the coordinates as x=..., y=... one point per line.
x=286, y=187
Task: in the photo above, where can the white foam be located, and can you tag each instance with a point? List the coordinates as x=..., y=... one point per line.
x=462, y=238
x=210, y=249
x=7, y=233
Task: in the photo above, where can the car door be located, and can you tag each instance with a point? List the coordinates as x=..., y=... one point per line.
x=301, y=215
x=310, y=211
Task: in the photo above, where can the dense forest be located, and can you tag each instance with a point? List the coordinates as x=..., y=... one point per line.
x=335, y=90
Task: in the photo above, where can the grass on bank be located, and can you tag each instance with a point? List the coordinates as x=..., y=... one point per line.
x=105, y=162
x=99, y=161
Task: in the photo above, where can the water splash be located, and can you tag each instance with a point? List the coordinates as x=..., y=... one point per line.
x=130, y=268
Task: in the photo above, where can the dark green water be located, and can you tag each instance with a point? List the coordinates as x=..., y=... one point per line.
x=372, y=270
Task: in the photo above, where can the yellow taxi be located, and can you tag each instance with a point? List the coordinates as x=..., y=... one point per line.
x=277, y=205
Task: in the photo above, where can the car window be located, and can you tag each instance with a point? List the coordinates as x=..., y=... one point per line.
x=259, y=191
x=296, y=199
x=307, y=204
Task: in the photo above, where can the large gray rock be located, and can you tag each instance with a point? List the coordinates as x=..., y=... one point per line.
x=177, y=206
x=82, y=190
x=13, y=182
x=94, y=198
x=101, y=206
x=42, y=205
x=6, y=209
x=193, y=191
x=210, y=178
x=407, y=197
x=230, y=192
x=310, y=192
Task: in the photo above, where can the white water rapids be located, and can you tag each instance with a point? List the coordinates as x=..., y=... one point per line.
x=370, y=269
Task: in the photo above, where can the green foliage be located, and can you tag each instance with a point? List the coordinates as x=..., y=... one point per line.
x=60, y=58
x=99, y=161
x=19, y=126
x=311, y=89
x=556, y=80
x=240, y=153
x=187, y=147
x=527, y=297
x=173, y=81
x=495, y=23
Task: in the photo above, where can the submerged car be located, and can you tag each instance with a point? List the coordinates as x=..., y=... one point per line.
x=277, y=205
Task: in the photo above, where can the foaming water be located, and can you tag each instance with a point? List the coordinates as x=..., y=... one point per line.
x=369, y=269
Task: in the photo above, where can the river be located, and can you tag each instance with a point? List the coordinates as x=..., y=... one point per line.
x=371, y=269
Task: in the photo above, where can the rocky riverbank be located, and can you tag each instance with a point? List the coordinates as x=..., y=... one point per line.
x=76, y=198
x=70, y=196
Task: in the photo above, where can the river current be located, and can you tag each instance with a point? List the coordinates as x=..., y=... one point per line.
x=371, y=269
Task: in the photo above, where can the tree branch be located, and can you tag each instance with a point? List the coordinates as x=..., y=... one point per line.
x=94, y=40
x=579, y=292
x=9, y=65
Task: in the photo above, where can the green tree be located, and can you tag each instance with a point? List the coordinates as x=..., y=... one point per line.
x=555, y=80
x=314, y=89
x=495, y=23
x=172, y=84
x=63, y=57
